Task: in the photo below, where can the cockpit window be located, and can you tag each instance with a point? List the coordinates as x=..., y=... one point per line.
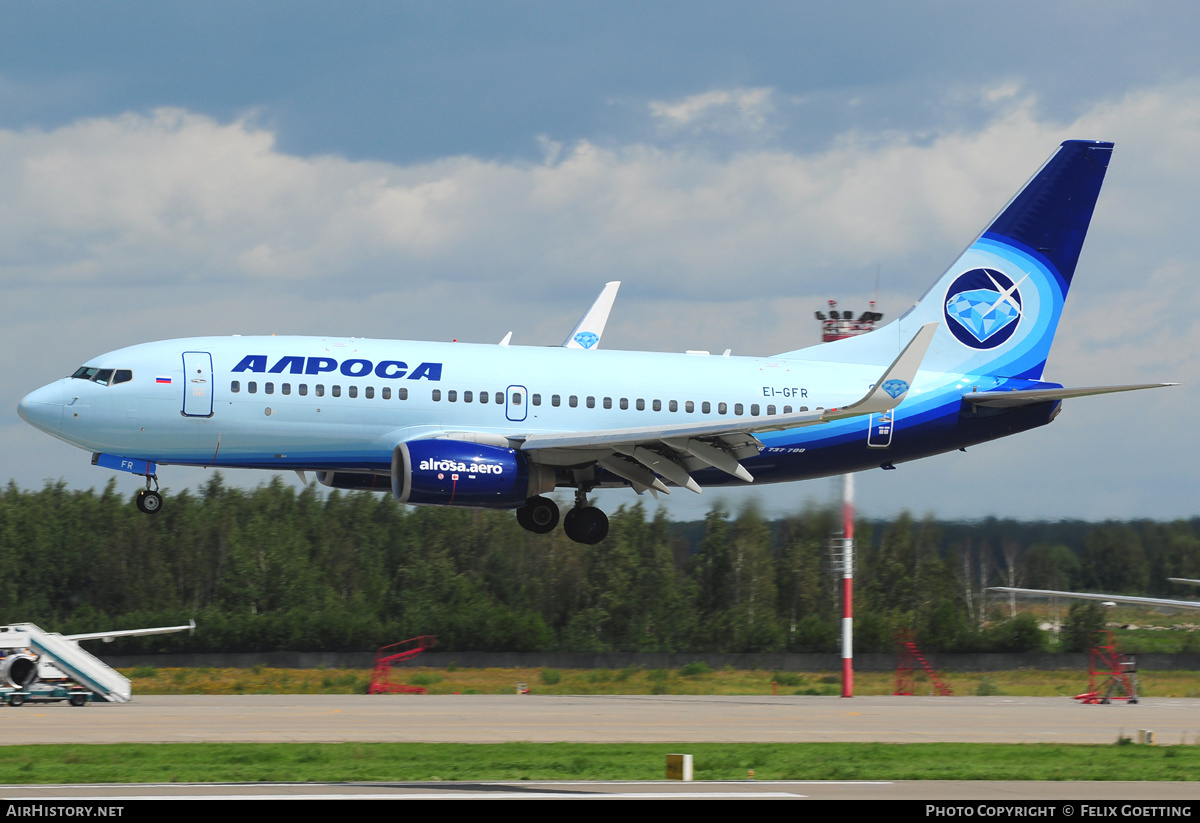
x=105, y=377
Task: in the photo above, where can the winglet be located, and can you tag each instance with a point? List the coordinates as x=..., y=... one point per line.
x=892, y=387
x=587, y=334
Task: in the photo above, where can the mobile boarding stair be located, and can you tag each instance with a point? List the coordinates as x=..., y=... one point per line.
x=55, y=658
x=388, y=656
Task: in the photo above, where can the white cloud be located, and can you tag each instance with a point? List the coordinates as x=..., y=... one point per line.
x=128, y=228
x=721, y=110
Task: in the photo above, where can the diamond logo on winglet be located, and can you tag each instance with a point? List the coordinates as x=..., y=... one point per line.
x=895, y=388
x=586, y=339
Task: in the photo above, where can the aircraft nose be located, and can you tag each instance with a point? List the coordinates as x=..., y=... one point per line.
x=43, y=408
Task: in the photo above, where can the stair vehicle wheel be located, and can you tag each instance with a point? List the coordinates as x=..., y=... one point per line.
x=149, y=502
x=586, y=524
x=17, y=700
x=79, y=699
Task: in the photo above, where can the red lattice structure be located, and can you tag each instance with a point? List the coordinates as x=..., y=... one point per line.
x=389, y=656
x=909, y=659
x=1109, y=672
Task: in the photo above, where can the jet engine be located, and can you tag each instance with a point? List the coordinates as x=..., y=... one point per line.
x=18, y=670
x=464, y=473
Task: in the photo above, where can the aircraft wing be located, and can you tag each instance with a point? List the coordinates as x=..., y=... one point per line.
x=1012, y=399
x=639, y=454
x=1114, y=598
x=587, y=334
x=108, y=637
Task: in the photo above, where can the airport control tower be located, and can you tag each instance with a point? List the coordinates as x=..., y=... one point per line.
x=838, y=325
x=841, y=324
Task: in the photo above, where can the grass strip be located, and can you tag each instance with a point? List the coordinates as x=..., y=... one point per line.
x=392, y=762
x=694, y=679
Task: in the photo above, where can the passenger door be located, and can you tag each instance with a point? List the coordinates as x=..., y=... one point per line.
x=197, y=384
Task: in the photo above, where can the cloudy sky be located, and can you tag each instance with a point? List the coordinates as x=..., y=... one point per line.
x=455, y=171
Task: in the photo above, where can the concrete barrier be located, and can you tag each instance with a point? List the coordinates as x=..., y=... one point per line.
x=619, y=660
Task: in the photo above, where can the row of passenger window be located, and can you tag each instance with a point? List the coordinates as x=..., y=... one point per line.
x=657, y=405
x=452, y=396
x=623, y=403
x=318, y=390
x=469, y=397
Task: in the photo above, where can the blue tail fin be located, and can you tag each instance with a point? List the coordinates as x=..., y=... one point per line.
x=1000, y=302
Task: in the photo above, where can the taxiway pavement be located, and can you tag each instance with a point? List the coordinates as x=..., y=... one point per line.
x=599, y=719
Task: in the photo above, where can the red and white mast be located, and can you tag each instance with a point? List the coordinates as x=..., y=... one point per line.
x=847, y=585
x=838, y=325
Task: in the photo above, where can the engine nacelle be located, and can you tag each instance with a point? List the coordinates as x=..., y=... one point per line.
x=464, y=473
x=351, y=480
x=18, y=670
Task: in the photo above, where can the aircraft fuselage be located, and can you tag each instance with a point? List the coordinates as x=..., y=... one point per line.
x=343, y=403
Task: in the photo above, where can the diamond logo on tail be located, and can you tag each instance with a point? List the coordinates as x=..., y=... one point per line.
x=586, y=339
x=983, y=308
x=978, y=312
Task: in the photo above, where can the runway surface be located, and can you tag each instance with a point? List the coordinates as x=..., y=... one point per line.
x=598, y=719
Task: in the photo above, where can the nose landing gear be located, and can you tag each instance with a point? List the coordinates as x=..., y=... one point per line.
x=148, y=500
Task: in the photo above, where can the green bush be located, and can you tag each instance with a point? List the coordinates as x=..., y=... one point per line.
x=1083, y=621
x=551, y=677
x=695, y=669
x=988, y=688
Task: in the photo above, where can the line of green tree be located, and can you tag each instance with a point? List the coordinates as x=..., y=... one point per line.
x=276, y=569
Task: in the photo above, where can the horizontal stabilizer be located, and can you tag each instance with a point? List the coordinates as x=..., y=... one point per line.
x=1106, y=598
x=1014, y=399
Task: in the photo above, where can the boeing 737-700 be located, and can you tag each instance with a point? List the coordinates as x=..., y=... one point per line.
x=503, y=426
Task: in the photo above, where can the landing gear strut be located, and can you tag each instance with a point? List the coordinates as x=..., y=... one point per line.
x=148, y=500
x=585, y=524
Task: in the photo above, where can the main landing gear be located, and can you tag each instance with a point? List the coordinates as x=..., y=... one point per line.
x=148, y=500
x=583, y=524
x=539, y=515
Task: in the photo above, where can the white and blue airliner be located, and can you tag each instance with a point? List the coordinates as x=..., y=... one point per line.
x=503, y=426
